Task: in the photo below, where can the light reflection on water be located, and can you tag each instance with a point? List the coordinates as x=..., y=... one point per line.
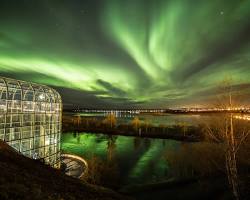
x=166, y=119
x=162, y=119
x=139, y=160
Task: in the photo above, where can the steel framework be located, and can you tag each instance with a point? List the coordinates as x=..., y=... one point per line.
x=30, y=119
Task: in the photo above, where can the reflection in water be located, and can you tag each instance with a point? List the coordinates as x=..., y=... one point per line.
x=139, y=160
x=117, y=161
x=147, y=162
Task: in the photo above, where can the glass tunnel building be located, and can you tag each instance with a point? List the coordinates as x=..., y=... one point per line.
x=30, y=119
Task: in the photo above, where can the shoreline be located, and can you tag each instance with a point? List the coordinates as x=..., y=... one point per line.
x=188, y=138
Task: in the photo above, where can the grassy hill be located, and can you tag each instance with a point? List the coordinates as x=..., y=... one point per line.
x=24, y=178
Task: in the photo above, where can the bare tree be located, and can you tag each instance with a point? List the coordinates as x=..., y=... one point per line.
x=79, y=120
x=227, y=129
x=136, y=123
x=111, y=145
x=184, y=127
x=110, y=120
x=146, y=125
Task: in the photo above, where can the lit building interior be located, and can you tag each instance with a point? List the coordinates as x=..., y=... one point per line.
x=30, y=119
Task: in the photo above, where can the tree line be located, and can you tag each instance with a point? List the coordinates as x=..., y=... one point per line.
x=136, y=127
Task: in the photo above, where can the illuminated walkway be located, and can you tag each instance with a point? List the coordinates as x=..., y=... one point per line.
x=76, y=166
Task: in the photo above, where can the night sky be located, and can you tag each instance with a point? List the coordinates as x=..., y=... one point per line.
x=127, y=53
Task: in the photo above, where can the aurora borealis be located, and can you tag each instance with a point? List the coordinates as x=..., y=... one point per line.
x=133, y=53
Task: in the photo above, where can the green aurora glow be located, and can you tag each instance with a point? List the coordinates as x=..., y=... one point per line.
x=129, y=53
x=134, y=161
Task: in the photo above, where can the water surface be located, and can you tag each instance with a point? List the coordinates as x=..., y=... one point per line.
x=139, y=160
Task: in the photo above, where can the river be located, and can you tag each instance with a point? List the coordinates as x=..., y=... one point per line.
x=125, y=161
x=139, y=160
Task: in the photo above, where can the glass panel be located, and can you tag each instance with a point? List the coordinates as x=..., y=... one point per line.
x=3, y=105
x=9, y=134
x=28, y=106
x=16, y=145
x=1, y=134
x=26, y=145
x=32, y=122
x=41, y=152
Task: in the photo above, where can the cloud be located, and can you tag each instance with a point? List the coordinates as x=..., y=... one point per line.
x=127, y=53
x=112, y=90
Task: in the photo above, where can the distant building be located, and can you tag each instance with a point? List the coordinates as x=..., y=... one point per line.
x=30, y=119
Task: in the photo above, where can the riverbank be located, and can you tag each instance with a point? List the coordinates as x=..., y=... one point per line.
x=172, y=133
x=181, y=131
x=24, y=178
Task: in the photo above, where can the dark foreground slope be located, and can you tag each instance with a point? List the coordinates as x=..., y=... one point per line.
x=24, y=178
